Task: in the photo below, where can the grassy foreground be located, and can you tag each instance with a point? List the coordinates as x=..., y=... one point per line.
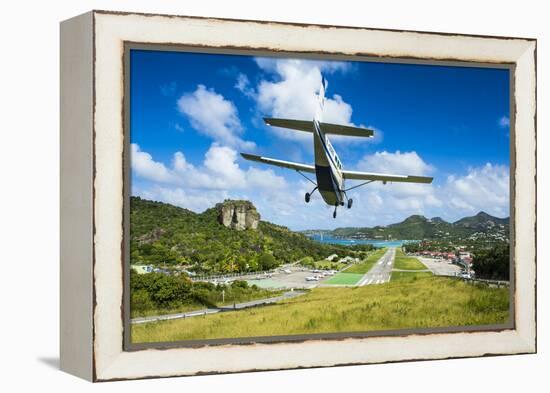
x=409, y=276
x=419, y=303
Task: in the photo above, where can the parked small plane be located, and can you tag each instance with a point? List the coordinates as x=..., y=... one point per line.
x=328, y=168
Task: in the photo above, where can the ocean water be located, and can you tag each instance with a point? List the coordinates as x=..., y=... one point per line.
x=349, y=242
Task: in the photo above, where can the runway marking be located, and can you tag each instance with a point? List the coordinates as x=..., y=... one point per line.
x=379, y=272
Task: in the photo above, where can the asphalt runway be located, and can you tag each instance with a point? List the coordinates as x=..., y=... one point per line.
x=381, y=271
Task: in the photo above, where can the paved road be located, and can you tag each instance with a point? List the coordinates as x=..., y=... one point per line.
x=381, y=271
x=207, y=311
x=296, y=279
x=440, y=267
x=261, y=302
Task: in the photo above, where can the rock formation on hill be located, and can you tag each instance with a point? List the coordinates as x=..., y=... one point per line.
x=238, y=215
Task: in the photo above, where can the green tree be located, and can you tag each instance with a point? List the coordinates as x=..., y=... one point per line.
x=493, y=264
x=307, y=261
x=253, y=264
x=267, y=261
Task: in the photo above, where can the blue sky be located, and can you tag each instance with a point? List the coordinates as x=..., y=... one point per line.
x=191, y=114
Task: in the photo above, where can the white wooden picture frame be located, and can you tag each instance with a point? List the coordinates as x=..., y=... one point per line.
x=93, y=192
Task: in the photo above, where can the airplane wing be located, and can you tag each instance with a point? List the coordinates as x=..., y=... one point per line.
x=284, y=164
x=328, y=128
x=352, y=175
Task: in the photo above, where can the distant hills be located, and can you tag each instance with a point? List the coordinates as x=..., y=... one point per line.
x=228, y=237
x=482, y=222
x=417, y=227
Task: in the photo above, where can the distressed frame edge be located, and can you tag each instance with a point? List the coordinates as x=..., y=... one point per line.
x=528, y=339
x=76, y=196
x=526, y=120
x=304, y=24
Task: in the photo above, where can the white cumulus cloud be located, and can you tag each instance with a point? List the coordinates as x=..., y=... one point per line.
x=218, y=171
x=484, y=188
x=144, y=166
x=382, y=204
x=406, y=163
x=243, y=85
x=290, y=92
x=214, y=116
x=195, y=200
x=292, y=95
x=219, y=176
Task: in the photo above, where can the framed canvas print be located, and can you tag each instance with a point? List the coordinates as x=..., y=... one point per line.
x=245, y=195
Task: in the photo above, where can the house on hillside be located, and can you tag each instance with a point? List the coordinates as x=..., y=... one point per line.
x=142, y=269
x=349, y=259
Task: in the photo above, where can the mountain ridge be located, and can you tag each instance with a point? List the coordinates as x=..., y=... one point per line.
x=418, y=227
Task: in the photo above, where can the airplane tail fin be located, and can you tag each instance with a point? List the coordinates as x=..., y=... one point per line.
x=324, y=86
x=321, y=98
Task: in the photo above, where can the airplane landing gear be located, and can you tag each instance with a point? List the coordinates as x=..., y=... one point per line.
x=309, y=194
x=335, y=208
x=350, y=201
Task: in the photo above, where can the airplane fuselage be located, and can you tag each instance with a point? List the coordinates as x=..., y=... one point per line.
x=328, y=168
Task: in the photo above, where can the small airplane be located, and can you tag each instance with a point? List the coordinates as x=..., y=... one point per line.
x=328, y=168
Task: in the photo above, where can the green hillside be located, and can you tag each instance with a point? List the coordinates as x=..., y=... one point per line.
x=481, y=222
x=162, y=234
x=417, y=227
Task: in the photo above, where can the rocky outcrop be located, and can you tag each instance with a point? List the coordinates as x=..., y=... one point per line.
x=238, y=215
x=151, y=237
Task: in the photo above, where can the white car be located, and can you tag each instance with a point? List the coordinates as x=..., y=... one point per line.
x=312, y=278
x=287, y=271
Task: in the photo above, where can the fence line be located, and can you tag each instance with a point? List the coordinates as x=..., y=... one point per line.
x=498, y=283
x=232, y=275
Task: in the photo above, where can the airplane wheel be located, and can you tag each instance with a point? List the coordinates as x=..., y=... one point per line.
x=350, y=203
x=334, y=214
x=308, y=196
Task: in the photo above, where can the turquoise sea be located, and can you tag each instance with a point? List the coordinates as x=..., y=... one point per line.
x=349, y=242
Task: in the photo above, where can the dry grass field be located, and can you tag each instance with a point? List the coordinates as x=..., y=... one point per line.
x=419, y=302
